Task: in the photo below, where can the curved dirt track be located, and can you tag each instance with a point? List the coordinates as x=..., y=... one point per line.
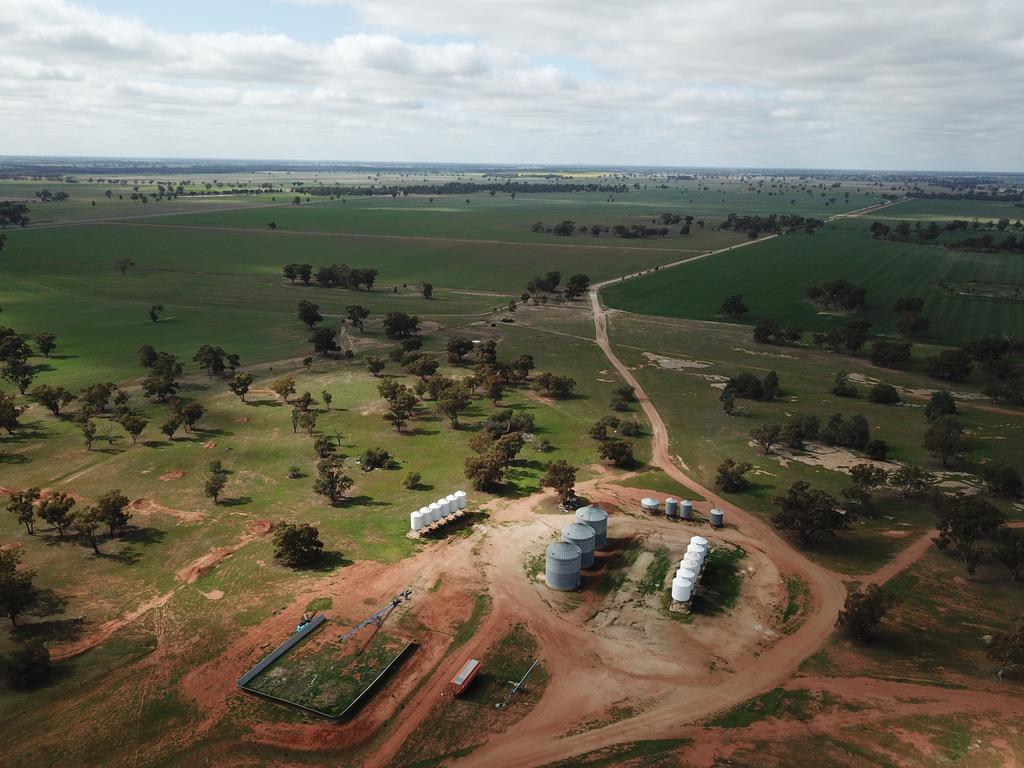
x=521, y=746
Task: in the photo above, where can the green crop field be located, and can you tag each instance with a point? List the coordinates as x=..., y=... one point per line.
x=774, y=276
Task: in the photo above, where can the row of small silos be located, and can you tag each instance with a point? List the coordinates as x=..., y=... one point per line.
x=564, y=559
x=680, y=509
x=690, y=570
x=438, y=511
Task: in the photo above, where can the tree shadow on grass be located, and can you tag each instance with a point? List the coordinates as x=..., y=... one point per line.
x=458, y=525
x=158, y=443
x=14, y=458
x=236, y=501
x=142, y=535
x=214, y=432
x=264, y=403
x=361, y=501
x=329, y=560
x=418, y=431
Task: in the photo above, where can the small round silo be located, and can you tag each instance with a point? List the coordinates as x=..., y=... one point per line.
x=436, y=512
x=649, y=505
x=699, y=549
x=562, y=566
x=671, y=507
x=597, y=519
x=699, y=540
x=682, y=590
x=446, y=507
x=582, y=535
x=692, y=560
x=460, y=499
x=416, y=520
x=453, y=503
x=686, y=573
x=717, y=518
x=686, y=509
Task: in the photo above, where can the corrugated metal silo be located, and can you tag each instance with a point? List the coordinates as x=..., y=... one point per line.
x=582, y=536
x=562, y=566
x=671, y=507
x=649, y=505
x=597, y=519
x=717, y=518
x=686, y=509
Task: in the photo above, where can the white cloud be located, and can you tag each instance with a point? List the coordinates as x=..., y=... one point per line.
x=876, y=83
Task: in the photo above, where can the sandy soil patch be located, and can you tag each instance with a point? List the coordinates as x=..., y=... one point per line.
x=172, y=474
x=675, y=363
x=146, y=506
x=213, y=594
x=827, y=456
x=209, y=444
x=203, y=565
x=780, y=355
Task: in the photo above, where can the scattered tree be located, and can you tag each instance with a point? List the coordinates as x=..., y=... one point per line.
x=963, y=522
x=730, y=478
x=864, y=611
x=809, y=512
x=297, y=545
x=561, y=476
x=22, y=506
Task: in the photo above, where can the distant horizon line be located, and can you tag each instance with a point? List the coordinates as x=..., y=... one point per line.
x=285, y=162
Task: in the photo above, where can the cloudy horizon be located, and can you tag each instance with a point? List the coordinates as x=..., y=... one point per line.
x=904, y=84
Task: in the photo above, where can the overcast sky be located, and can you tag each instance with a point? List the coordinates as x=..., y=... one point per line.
x=915, y=84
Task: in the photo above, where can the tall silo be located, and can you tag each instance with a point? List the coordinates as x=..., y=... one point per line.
x=682, y=590
x=582, y=536
x=460, y=499
x=686, y=509
x=562, y=566
x=597, y=519
x=717, y=518
x=671, y=507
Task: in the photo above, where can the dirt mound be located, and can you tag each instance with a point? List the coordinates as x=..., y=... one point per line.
x=209, y=444
x=149, y=507
x=172, y=474
x=242, y=420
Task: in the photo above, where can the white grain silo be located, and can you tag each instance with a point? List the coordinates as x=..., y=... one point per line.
x=436, y=511
x=699, y=540
x=686, y=573
x=682, y=590
x=460, y=499
x=649, y=505
x=416, y=521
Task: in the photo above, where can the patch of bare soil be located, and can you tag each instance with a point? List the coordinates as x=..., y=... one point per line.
x=675, y=363
x=172, y=474
x=782, y=355
x=209, y=444
x=827, y=456
x=146, y=506
x=213, y=594
x=203, y=565
x=242, y=420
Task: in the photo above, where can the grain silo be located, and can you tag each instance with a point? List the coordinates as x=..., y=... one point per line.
x=562, y=566
x=686, y=573
x=692, y=560
x=582, y=536
x=649, y=505
x=682, y=590
x=686, y=509
x=717, y=518
x=453, y=503
x=597, y=519
x=416, y=520
x=699, y=540
x=699, y=549
x=460, y=499
x=436, y=511
x=671, y=507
